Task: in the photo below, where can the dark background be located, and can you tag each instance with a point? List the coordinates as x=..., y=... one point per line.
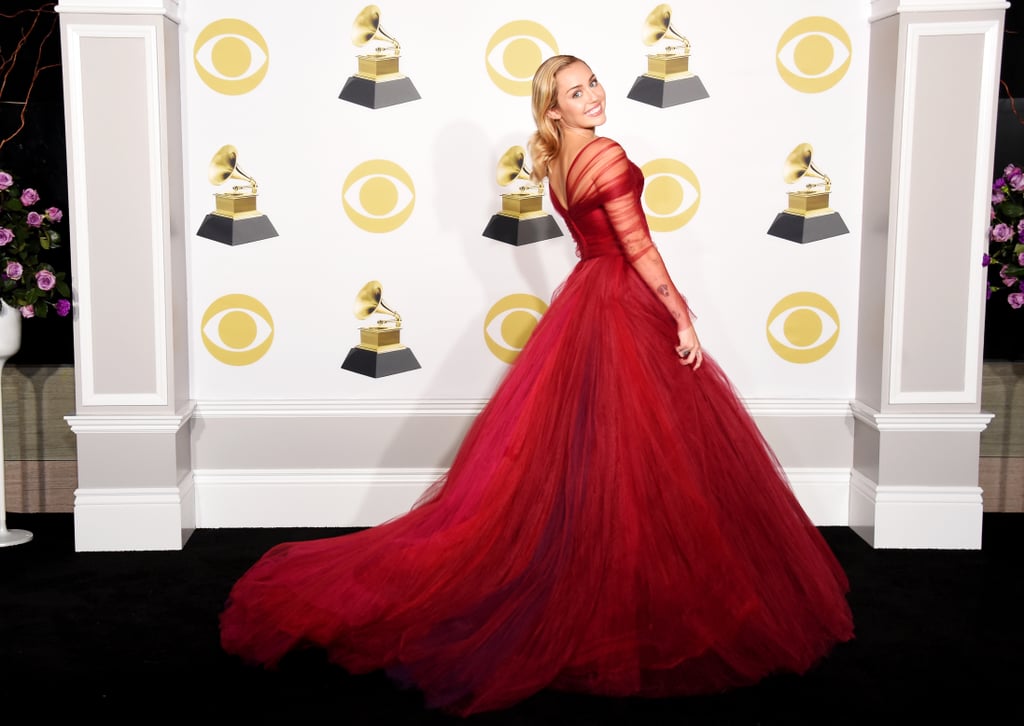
x=37, y=156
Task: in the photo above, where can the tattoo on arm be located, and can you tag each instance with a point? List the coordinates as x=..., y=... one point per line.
x=663, y=290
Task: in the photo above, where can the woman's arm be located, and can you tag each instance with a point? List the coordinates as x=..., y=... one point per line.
x=611, y=174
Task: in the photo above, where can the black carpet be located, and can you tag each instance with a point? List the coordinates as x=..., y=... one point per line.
x=132, y=637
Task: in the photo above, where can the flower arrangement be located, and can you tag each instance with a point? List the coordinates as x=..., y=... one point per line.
x=1006, y=234
x=27, y=282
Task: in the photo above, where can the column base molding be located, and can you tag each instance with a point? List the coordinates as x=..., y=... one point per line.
x=915, y=517
x=142, y=518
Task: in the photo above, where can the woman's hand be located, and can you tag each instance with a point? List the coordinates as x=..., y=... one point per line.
x=689, y=348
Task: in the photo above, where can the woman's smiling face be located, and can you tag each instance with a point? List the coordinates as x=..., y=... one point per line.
x=579, y=98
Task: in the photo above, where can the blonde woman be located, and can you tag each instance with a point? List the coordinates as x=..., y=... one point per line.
x=613, y=522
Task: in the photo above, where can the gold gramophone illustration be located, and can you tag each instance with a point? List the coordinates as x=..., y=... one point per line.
x=808, y=217
x=235, y=220
x=377, y=82
x=380, y=351
x=668, y=80
x=522, y=219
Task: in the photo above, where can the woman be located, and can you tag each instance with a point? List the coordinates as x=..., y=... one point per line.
x=613, y=522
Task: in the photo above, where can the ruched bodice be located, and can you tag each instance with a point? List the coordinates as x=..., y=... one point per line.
x=603, y=206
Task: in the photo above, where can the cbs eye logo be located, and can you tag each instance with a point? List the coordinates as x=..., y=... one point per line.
x=515, y=51
x=509, y=324
x=803, y=327
x=671, y=194
x=378, y=196
x=231, y=56
x=237, y=329
x=813, y=54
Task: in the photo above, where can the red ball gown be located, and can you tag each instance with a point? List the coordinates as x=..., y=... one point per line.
x=613, y=523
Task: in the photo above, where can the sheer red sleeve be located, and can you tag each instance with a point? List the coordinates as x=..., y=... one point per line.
x=605, y=174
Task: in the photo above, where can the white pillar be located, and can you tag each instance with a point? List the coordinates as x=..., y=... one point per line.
x=933, y=82
x=124, y=141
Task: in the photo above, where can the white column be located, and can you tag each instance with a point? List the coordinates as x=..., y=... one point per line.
x=124, y=138
x=933, y=82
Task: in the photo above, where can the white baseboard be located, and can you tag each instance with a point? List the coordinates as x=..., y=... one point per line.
x=307, y=498
x=916, y=517
x=367, y=497
x=823, y=493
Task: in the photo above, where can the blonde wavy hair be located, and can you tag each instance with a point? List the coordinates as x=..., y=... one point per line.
x=546, y=141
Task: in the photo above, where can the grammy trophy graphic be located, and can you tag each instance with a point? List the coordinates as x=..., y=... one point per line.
x=668, y=80
x=380, y=351
x=235, y=220
x=521, y=219
x=808, y=217
x=377, y=82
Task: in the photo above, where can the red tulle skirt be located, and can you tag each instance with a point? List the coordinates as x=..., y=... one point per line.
x=613, y=523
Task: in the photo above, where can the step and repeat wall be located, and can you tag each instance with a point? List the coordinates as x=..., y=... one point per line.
x=344, y=160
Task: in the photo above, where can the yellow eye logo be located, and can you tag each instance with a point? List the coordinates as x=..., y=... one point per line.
x=813, y=54
x=378, y=196
x=671, y=194
x=231, y=56
x=509, y=324
x=515, y=51
x=803, y=327
x=237, y=329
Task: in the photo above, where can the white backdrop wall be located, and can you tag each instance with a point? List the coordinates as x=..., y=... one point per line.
x=279, y=106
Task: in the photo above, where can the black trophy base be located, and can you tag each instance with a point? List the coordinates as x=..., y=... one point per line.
x=664, y=93
x=236, y=231
x=378, y=94
x=807, y=229
x=522, y=231
x=377, y=364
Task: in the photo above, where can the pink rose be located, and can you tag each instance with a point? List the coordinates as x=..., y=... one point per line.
x=1016, y=181
x=14, y=270
x=6, y=236
x=27, y=311
x=1016, y=299
x=29, y=197
x=45, y=280
x=6, y=180
x=34, y=219
x=54, y=214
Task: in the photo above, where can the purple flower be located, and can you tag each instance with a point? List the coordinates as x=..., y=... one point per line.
x=6, y=180
x=998, y=184
x=1020, y=228
x=1001, y=233
x=63, y=307
x=54, y=214
x=45, y=280
x=1016, y=181
x=1010, y=170
x=1020, y=259
x=6, y=236
x=985, y=259
x=14, y=270
x=27, y=311
x=1008, y=279
x=29, y=197
x=1016, y=299
x=34, y=219
x=998, y=197
x=988, y=292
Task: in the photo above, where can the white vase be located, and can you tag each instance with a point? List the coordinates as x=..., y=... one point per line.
x=10, y=343
x=10, y=331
